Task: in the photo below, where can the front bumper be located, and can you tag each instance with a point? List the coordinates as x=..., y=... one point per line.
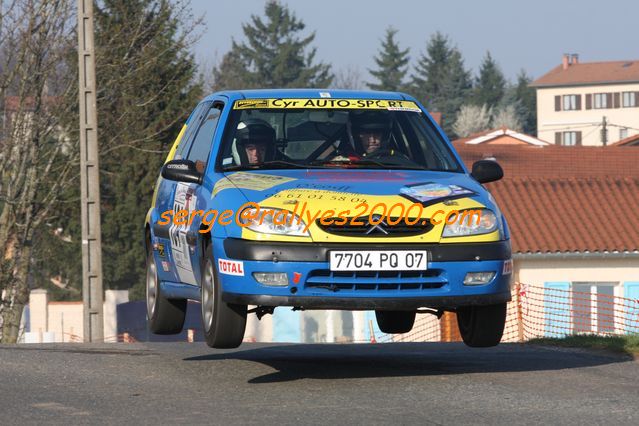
x=311, y=285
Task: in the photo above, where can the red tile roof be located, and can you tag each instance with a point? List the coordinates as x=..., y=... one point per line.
x=556, y=161
x=570, y=215
x=629, y=141
x=566, y=199
x=590, y=73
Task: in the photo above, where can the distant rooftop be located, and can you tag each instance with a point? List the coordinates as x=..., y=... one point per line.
x=571, y=72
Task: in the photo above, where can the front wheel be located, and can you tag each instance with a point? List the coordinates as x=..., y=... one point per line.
x=481, y=326
x=165, y=316
x=223, y=323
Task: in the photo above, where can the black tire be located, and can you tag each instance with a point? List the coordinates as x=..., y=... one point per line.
x=165, y=316
x=223, y=324
x=481, y=326
x=395, y=322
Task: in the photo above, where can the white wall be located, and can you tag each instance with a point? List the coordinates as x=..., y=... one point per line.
x=550, y=121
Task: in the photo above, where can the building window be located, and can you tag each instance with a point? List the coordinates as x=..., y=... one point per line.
x=570, y=102
x=629, y=99
x=623, y=133
x=593, y=307
x=569, y=139
x=601, y=100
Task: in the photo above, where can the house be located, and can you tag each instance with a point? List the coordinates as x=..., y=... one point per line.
x=50, y=321
x=573, y=215
x=590, y=104
x=501, y=136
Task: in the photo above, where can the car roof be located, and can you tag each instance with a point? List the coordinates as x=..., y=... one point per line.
x=309, y=93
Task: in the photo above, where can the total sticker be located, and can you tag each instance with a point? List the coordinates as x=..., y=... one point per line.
x=230, y=267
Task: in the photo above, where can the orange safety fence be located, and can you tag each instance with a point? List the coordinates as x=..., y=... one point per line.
x=537, y=311
x=121, y=338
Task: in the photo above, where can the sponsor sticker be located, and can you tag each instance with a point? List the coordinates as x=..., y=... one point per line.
x=327, y=103
x=427, y=192
x=254, y=181
x=230, y=267
x=251, y=103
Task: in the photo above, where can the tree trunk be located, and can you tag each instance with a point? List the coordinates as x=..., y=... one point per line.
x=13, y=277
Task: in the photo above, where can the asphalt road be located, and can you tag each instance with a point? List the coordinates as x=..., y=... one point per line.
x=408, y=383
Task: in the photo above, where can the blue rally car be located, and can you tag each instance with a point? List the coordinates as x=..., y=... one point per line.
x=323, y=199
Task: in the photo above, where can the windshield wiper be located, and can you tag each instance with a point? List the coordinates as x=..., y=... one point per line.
x=275, y=164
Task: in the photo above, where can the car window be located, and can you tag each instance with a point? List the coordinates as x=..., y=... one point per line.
x=382, y=137
x=191, y=129
x=199, y=152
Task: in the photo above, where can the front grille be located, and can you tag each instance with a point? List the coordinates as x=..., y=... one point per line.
x=376, y=281
x=383, y=229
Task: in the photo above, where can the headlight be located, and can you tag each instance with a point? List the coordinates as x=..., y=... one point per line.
x=279, y=222
x=467, y=223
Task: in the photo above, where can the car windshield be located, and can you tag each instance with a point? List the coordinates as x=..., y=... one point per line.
x=269, y=134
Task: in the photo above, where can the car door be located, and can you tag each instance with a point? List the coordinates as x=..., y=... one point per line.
x=192, y=198
x=166, y=234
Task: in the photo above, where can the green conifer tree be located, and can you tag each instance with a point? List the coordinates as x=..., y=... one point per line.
x=490, y=85
x=527, y=99
x=441, y=80
x=273, y=55
x=392, y=65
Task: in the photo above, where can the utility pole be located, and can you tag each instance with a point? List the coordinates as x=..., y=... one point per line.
x=604, y=131
x=92, y=295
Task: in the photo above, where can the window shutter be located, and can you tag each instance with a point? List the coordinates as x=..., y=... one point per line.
x=557, y=103
x=557, y=138
x=608, y=100
x=589, y=101
x=617, y=102
x=578, y=141
x=636, y=99
x=578, y=102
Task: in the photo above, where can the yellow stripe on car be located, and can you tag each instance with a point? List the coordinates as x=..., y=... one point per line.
x=326, y=103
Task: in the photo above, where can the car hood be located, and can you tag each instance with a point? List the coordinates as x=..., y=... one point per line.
x=320, y=190
x=258, y=185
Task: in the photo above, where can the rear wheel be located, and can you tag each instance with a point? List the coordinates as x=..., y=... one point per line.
x=223, y=323
x=395, y=322
x=482, y=326
x=165, y=316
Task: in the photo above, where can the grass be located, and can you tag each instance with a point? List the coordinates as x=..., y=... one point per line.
x=619, y=344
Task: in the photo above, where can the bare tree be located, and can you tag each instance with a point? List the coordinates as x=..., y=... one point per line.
x=507, y=116
x=472, y=119
x=349, y=77
x=35, y=36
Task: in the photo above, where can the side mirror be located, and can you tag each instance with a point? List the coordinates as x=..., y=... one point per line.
x=181, y=171
x=487, y=171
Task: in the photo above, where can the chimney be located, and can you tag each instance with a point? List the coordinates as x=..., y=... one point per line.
x=575, y=59
x=565, y=61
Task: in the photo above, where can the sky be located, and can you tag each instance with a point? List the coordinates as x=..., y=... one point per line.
x=529, y=35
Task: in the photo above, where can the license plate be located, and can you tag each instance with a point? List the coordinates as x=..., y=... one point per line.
x=404, y=260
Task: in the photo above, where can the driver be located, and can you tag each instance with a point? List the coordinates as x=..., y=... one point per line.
x=254, y=142
x=371, y=131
